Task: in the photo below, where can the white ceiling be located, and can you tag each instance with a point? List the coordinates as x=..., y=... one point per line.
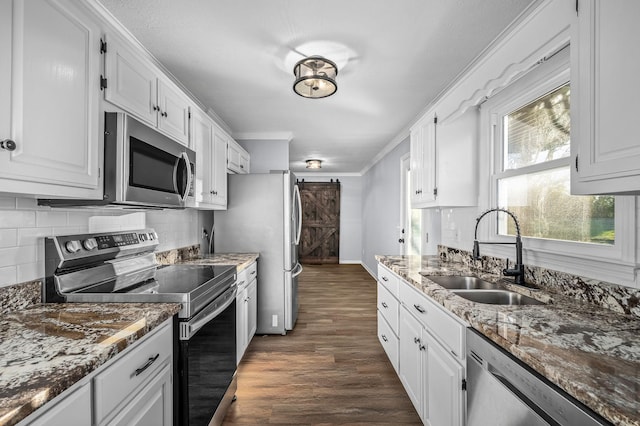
x=394, y=58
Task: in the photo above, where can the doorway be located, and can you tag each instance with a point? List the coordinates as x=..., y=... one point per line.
x=410, y=241
x=320, y=238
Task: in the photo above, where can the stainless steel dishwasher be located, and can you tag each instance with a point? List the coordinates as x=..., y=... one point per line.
x=503, y=391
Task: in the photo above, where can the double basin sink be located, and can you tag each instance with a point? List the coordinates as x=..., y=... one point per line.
x=480, y=291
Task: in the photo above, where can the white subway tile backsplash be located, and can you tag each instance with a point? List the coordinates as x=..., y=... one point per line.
x=51, y=218
x=15, y=255
x=7, y=203
x=24, y=225
x=8, y=237
x=8, y=276
x=33, y=236
x=17, y=219
x=29, y=271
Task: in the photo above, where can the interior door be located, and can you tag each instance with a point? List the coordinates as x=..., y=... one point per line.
x=320, y=237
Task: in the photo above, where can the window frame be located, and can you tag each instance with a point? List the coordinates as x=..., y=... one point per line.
x=608, y=262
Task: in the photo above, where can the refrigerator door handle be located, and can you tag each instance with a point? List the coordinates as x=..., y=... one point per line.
x=298, y=203
x=297, y=270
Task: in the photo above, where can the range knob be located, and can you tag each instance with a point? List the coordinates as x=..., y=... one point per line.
x=72, y=246
x=142, y=237
x=90, y=244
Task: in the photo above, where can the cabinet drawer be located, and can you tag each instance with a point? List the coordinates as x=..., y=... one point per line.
x=118, y=381
x=390, y=280
x=247, y=275
x=388, y=340
x=435, y=319
x=388, y=307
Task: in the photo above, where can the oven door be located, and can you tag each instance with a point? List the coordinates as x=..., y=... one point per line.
x=207, y=362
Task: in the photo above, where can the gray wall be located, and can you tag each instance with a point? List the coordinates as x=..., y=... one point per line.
x=350, y=213
x=267, y=155
x=381, y=207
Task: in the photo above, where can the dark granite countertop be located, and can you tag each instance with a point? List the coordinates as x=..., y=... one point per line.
x=590, y=352
x=241, y=260
x=46, y=348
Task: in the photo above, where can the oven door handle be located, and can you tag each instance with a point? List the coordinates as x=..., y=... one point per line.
x=191, y=327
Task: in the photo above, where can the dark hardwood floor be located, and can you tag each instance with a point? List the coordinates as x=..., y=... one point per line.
x=330, y=369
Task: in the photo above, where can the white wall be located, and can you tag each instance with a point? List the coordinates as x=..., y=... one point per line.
x=24, y=225
x=267, y=155
x=350, y=213
x=381, y=207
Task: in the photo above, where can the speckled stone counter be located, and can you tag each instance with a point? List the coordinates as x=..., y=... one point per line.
x=46, y=348
x=591, y=352
x=241, y=260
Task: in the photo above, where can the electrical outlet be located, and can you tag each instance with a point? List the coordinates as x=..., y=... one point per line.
x=274, y=321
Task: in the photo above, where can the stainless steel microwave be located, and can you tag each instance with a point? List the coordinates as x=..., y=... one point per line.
x=142, y=168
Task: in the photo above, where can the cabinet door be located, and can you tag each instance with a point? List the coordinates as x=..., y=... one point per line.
x=152, y=405
x=605, y=66
x=53, y=115
x=131, y=81
x=219, y=169
x=174, y=112
x=6, y=15
x=233, y=157
x=410, y=359
x=244, y=162
x=202, y=144
x=252, y=310
x=443, y=386
x=73, y=410
x=423, y=142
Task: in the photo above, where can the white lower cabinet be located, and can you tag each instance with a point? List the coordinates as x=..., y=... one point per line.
x=246, y=309
x=133, y=389
x=73, y=410
x=430, y=356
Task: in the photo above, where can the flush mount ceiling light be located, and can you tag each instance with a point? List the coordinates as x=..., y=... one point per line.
x=315, y=77
x=314, y=164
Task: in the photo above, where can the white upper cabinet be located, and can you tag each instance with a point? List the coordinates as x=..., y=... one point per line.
x=211, y=173
x=444, y=161
x=237, y=158
x=219, y=167
x=49, y=108
x=134, y=84
x=605, y=65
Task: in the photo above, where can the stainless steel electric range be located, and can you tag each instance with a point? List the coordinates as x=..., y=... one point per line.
x=121, y=267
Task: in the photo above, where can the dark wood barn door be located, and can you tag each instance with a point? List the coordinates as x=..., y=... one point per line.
x=320, y=239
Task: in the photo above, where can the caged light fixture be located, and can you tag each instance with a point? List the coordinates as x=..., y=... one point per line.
x=315, y=77
x=314, y=164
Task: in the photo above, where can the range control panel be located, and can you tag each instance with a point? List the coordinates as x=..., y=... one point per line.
x=115, y=243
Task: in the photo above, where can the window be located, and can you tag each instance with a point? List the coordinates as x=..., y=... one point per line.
x=534, y=177
x=526, y=150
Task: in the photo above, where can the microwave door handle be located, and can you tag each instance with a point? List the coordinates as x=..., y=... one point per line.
x=187, y=164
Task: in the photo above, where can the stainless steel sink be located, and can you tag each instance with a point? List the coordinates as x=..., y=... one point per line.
x=497, y=297
x=453, y=282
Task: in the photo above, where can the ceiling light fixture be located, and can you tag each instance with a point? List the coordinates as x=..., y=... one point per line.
x=314, y=164
x=315, y=77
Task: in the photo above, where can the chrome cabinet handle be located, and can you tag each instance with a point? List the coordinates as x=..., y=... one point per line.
x=7, y=145
x=385, y=278
x=155, y=108
x=419, y=309
x=422, y=347
x=147, y=365
x=164, y=114
x=416, y=340
x=385, y=338
x=384, y=305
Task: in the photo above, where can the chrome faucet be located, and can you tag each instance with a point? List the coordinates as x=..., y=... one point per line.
x=518, y=271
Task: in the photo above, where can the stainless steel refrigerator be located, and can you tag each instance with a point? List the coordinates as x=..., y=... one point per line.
x=264, y=215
